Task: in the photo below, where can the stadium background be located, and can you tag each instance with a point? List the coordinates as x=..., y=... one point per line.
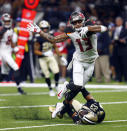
x=30, y=112
x=101, y=11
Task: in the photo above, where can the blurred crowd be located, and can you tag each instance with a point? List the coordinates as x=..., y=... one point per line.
x=112, y=45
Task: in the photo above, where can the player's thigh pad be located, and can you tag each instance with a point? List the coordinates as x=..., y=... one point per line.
x=44, y=67
x=10, y=61
x=89, y=68
x=53, y=65
x=4, y=68
x=78, y=72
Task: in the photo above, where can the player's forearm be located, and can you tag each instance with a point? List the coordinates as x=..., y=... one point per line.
x=47, y=37
x=53, y=39
x=37, y=52
x=98, y=28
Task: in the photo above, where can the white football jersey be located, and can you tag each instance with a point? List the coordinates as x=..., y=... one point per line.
x=5, y=42
x=86, y=48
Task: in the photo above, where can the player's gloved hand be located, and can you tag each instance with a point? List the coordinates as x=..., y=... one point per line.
x=63, y=61
x=16, y=49
x=33, y=28
x=83, y=32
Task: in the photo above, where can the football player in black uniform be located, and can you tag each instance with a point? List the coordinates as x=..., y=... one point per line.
x=44, y=50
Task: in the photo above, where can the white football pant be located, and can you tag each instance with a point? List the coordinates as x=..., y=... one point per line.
x=82, y=72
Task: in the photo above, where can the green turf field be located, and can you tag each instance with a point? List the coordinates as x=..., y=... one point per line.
x=30, y=112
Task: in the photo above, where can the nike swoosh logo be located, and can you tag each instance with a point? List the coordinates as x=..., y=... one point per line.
x=59, y=94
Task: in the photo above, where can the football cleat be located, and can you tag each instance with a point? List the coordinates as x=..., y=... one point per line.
x=62, y=90
x=21, y=91
x=59, y=107
x=52, y=109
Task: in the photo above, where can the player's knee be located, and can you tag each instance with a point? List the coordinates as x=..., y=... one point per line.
x=47, y=74
x=72, y=86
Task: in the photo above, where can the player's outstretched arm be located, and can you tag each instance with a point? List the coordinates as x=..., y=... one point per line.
x=97, y=28
x=34, y=28
x=94, y=29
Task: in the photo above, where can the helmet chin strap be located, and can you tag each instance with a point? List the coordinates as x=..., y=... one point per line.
x=78, y=29
x=7, y=26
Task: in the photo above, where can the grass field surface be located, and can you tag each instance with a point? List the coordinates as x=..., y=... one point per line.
x=30, y=112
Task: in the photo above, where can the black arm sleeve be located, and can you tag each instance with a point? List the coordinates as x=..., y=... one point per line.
x=69, y=29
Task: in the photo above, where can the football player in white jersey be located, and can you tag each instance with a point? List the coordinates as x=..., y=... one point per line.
x=6, y=49
x=85, y=41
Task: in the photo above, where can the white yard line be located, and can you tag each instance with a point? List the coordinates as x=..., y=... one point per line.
x=45, y=93
x=108, y=103
x=17, y=94
x=52, y=125
x=44, y=85
x=27, y=127
x=120, y=126
x=2, y=100
x=36, y=106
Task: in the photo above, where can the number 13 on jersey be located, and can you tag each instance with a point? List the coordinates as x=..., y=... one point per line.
x=85, y=41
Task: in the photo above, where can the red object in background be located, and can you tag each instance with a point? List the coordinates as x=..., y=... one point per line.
x=61, y=45
x=31, y=4
x=27, y=17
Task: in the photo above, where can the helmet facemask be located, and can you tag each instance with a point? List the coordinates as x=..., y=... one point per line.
x=6, y=21
x=77, y=17
x=87, y=116
x=44, y=25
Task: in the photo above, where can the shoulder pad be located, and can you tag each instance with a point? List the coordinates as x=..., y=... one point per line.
x=89, y=22
x=69, y=30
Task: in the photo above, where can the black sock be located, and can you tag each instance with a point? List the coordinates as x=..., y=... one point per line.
x=56, y=77
x=67, y=109
x=17, y=77
x=48, y=81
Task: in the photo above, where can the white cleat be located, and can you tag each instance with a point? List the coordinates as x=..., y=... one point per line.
x=52, y=93
x=62, y=90
x=59, y=107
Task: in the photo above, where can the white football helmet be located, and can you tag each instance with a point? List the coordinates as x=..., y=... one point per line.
x=44, y=24
x=6, y=20
x=77, y=17
x=88, y=116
